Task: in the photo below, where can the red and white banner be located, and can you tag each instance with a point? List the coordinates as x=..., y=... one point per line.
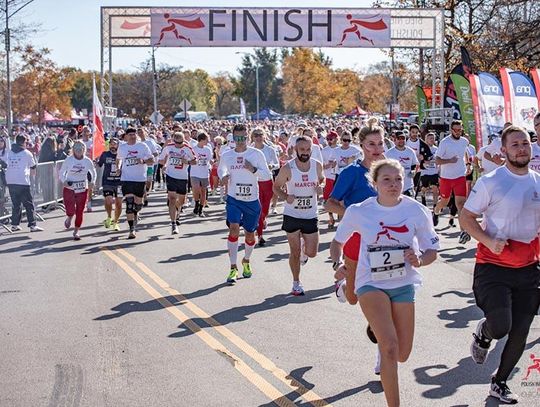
x=130, y=27
x=521, y=103
x=536, y=80
x=272, y=27
x=98, y=139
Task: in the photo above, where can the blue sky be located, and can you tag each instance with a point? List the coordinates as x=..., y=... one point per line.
x=71, y=30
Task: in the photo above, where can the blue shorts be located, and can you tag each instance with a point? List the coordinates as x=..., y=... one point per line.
x=399, y=294
x=243, y=213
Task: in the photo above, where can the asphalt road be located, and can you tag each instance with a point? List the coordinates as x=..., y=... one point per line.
x=114, y=322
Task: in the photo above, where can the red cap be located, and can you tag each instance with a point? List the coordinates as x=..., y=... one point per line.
x=331, y=135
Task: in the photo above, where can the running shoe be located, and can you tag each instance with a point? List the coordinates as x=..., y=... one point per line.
x=145, y=203
x=131, y=234
x=116, y=226
x=377, y=368
x=274, y=211
x=36, y=229
x=15, y=228
x=174, y=229
x=480, y=344
x=67, y=222
x=451, y=222
x=177, y=221
x=424, y=202
x=233, y=275
x=435, y=219
x=76, y=236
x=500, y=390
x=196, y=208
x=340, y=291
x=246, y=273
x=464, y=237
x=88, y=207
x=371, y=335
x=107, y=223
x=297, y=289
x=262, y=242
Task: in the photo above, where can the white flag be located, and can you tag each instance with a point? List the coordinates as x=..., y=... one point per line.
x=243, y=109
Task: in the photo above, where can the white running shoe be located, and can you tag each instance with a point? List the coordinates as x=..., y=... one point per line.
x=297, y=289
x=340, y=291
x=15, y=228
x=377, y=368
x=274, y=211
x=501, y=391
x=36, y=229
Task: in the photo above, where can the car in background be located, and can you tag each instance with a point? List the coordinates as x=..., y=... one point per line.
x=191, y=116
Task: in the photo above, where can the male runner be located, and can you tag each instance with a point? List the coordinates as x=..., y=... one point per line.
x=133, y=159
x=408, y=160
x=200, y=172
x=111, y=185
x=506, y=275
x=429, y=178
x=175, y=159
x=303, y=178
x=239, y=170
x=329, y=166
x=153, y=147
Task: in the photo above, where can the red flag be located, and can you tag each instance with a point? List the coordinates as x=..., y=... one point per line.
x=98, y=144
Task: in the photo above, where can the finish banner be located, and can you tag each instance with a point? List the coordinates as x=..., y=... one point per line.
x=488, y=101
x=270, y=27
x=464, y=97
x=521, y=103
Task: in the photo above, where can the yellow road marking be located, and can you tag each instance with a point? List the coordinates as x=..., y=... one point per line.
x=268, y=389
x=309, y=395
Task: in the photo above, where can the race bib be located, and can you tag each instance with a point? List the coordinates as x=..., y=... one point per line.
x=176, y=162
x=303, y=202
x=387, y=262
x=244, y=192
x=79, y=186
x=119, y=190
x=132, y=161
x=202, y=161
x=113, y=168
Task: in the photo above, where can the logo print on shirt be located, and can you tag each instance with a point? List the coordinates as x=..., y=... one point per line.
x=239, y=160
x=304, y=177
x=132, y=153
x=385, y=231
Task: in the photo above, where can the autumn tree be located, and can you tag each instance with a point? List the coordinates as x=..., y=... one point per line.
x=226, y=101
x=349, y=89
x=41, y=85
x=309, y=87
x=196, y=86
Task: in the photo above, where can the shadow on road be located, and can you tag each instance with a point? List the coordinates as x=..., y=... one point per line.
x=460, y=317
x=455, y=257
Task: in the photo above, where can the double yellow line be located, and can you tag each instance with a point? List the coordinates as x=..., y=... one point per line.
x=242, y=367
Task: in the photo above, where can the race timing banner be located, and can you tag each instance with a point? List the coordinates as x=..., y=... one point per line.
x=272, y=27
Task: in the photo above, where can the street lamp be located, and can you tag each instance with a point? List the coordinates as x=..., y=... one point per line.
x=9, y=122
x=256, y=81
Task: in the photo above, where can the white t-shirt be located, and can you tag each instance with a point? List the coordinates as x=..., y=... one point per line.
x=510, y=204
x=329, y=155
x=204, y=157
x=174, y=167
x=271, y=156
x=243, y=184
x=386, y=232
x=408, y=160
x=18, y=167
x=75, y=172
x=535, y=158
x=430, y=168
x=347, y=156
x=131, y=154
x=415, y=145
x=487, y=165
x=449, y=147
x=152, y=146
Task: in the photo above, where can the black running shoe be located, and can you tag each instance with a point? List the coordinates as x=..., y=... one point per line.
x=424, y=202
x=262, y=242
x=435, y=219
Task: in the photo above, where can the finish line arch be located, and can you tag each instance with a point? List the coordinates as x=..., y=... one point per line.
x=272, y=27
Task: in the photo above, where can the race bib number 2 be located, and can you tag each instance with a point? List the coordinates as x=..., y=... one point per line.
x=387, y=262
x=243, y=192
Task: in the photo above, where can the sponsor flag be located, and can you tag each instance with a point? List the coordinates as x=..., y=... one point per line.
x=521, y=103
x=98, y=139
x=450, y=97
x=536, y=80
x=466, y=64
x=464, y=96
x=488, y=102
x=243, y=109
x=423, y=104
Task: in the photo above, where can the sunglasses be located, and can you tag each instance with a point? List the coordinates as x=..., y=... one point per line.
x=346, y=140
x=239, y=138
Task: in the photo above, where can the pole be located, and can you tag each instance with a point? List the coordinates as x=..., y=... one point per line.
x=257, y=86
x=394, y=93
x=9, y=120
x=154, y=79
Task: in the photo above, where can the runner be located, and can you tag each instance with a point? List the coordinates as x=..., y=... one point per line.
x=111, y=185
x=133, y=159
x=153, y=147
x=73, y=175
x=303, y=178
x=506, y=275
x=329, y=166
x=397, y=238
x=175, y=159
x=346, y=153
x=535, y=159
x=453, y=159
x=429, y=178
x=86, y=138
x=266, y=192
x=239, y=169
x=408, y=160
x=200, y=173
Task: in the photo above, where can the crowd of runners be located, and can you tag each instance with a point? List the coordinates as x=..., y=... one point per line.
x=382, y=190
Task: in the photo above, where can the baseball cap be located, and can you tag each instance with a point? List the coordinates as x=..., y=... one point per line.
x=332, y=135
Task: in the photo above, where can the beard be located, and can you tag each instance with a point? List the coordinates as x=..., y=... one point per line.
x=519, y=164
x=304, y=157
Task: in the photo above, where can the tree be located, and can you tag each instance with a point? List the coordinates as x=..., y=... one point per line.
x=309, y=87
x=349, y=85
x=41, y=85
x=81, y=91
x=196, y=86
x=226, y=101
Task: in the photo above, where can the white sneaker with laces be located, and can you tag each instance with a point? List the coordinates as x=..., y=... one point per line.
x=15, y=228
x=501, y=391
x=340, y=291
x=35, y=229
x=297, y=289
x=377, y=368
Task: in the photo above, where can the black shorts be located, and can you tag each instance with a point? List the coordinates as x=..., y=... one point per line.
x=111, y=190
x=305, y=226
x=135, y=188
x=429, y=180
x=469, y=177
x=275, y=173
x=176, y=185
x=497, y=287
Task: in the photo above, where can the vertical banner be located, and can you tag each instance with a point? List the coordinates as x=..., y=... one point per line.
x=464, y=96
x=98, y=139
x=536, y=80
x=450, y=97
x=466, y=63
x=423, y=104
x=243, y=109
x=521, y=102
x=488, y=102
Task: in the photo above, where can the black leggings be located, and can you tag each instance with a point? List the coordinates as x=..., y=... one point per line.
x=509, y=298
